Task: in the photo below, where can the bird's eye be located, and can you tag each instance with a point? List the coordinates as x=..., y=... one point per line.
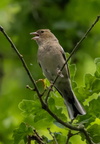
x=42, y=31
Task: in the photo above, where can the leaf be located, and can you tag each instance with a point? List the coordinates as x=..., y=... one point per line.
x=94, y=132
x=67, y=56
x=22, y=132
x=82, y=93
x=59, y=124
x=74, y=84
x=40, y=116
x=72, y=68
x=92, y=85
x=51, y=103
x=93, y=108
x=60, y=138
x=55, y=109
x=43, y=120
x=59, y=101
x=92, y=112
x=29, y=107
x=97, y=62
x=89, y=79
x=96, y=86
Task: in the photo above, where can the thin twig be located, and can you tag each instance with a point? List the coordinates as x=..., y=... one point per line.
x=28, y=87
x=37, y=139
x=69, y=135
x=28, y=140
x=73, y=51
x=53, y=136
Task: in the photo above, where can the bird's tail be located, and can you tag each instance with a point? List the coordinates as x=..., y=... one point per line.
x=73, y=105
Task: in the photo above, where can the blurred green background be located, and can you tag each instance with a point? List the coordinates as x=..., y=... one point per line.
x=68, y=20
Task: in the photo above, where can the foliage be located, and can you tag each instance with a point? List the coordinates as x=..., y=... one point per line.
x=32, y=108
x=21, y=112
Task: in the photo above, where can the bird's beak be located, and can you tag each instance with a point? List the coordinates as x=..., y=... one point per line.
x=35, y=34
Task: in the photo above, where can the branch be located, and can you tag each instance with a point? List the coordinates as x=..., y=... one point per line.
x=88, y=138
x=70, y=135
x=37, y=139
x=73, y=51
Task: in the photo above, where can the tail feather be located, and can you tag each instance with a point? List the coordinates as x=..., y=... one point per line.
x=73, y=105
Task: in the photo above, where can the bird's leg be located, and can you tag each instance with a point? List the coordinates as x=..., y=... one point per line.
x=59, y=72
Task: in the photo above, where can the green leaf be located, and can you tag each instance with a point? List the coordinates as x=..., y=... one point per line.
x=59, y=124
x=59, y=101
x=97, y=60
x=55, y=109
x=44, y=118
x=93, y=108
x=22, y=132
x=82, y=93
x=74, y=84
x=29, y=107
x=97, y=73
x=92, y=112
x=88, y=80
x=96, y=86
x=67, y=55
x=72, y=69
x=92, y=85
x=94, y=132
x=51, y=103
x=60, y=138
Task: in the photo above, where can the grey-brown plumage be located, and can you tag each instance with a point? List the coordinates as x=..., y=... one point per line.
x=51, y=58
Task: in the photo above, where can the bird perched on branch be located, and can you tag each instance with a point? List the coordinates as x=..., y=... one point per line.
x=51, y=58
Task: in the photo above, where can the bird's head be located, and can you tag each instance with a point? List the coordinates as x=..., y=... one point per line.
x=43, y=35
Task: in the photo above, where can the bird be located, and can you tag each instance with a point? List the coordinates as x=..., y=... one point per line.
x=51, y=57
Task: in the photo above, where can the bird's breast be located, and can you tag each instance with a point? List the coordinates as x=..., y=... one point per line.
x=51, y=61
x=48, y=57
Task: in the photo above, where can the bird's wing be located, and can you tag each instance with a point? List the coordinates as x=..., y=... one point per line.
x=64, y=56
